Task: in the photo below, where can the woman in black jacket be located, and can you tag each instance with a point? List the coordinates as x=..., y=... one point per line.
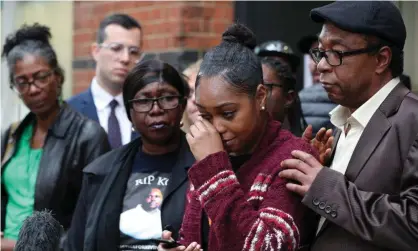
x=42, y=157
x=131, y=194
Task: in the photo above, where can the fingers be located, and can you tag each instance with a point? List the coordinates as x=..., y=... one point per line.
x=328, y=133
x=324, y=157
x=208, y=125
x=307, y=134
x=320, y=134
x=329, y=142
x=193, y=247
x=200, y=125
x=295, y=164
x=295, y=175
x=308, y=159
x=328, y=153
x=166, y=235
x=301, y=190
x=179, y=248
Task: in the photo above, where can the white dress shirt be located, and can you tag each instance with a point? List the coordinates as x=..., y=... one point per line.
x=358, y=120
x=102, y=100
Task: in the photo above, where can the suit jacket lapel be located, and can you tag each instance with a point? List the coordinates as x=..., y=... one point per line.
x=89, y=108
x=337, y=135
x=375, y=131
x=371, y=136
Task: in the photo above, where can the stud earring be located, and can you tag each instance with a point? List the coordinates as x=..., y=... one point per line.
x=133, y=129
x=263, y=108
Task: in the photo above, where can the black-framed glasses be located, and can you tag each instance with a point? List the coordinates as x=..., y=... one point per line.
x=40, y=79
x=164, y=102
x=335, y=57
x=118, y=49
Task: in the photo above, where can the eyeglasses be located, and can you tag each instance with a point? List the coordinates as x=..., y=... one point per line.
x=118, y=49
x=334, y=57
x=40, y=79
x=164, y=102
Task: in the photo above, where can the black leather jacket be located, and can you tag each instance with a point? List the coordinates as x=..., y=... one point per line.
x=72, y=142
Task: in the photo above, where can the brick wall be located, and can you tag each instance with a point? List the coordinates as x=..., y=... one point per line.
x=178, y=32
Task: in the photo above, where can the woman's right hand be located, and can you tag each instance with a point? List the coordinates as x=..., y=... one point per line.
x=167, y=236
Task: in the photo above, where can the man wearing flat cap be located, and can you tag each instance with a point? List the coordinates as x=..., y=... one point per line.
x=367, y=195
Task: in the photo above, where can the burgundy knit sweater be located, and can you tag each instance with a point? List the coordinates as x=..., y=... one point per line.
x=250, y=209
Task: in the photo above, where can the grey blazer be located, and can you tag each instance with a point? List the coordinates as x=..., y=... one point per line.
x=374, y=206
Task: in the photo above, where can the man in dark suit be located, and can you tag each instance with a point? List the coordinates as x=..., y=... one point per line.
x=117, y=49
x=368, y=196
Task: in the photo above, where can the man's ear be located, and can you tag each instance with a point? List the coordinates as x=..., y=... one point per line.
x=95, y=49
x=261, y=96
x=383, y=59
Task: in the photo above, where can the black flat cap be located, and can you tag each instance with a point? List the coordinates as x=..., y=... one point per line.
x=379, y=18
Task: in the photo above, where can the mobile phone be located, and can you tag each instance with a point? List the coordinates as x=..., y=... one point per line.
x=167, y=243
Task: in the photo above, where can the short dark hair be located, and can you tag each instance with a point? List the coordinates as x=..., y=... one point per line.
x=396, y=65
x=40, y=232
x=31, y=39
x=145, y=72
x=283, y=72
x=234, y=60
x=123, y=20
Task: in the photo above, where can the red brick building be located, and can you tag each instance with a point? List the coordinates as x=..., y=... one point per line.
x=177, y=32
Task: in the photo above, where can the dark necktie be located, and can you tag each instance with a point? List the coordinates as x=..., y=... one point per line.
x=113, y=128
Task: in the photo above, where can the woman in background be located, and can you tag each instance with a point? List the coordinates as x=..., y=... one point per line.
x=42, y=156
x=191, y=113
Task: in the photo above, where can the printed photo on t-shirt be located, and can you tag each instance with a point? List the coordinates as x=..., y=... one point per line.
x=140, y=219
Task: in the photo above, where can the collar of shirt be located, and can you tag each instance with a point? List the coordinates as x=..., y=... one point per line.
x=102, y=98
x=341, y=115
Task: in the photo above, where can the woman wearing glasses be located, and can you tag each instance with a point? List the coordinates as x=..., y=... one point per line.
x=133, y=193
x=42, y=157
x=283, y=102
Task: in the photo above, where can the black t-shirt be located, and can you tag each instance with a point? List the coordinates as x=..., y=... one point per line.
x=236, y=162
x=140, y=219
